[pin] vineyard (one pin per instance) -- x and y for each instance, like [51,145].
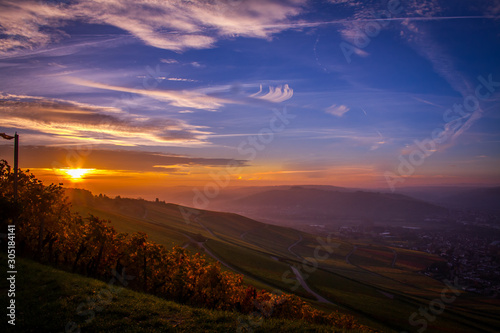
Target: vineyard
[49,232]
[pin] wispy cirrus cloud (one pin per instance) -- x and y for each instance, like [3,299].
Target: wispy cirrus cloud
[412,24]
[276,94]
[201,99]
[420,37]
[337,110]
[29,24]
[173,25]
[341,136]
[370,16]
[180,79]
[179,98]
[351,3]
[76,122]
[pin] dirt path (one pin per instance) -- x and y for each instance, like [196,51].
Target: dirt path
[307,288]
[297,242]
[210,253]
[301,279]
[207,229]
[244,233]
[395,257]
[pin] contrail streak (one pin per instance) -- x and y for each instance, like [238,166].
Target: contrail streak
[414,18]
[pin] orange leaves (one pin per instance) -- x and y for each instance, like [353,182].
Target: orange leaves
[93,247]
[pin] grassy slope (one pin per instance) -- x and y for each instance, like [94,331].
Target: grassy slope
[49,300]
[362,287]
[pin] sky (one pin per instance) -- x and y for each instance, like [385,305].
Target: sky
[134,96]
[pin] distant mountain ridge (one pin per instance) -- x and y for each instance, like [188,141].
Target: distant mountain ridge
[325,204]
[300,201]
[480,199]
[468,198]
[313,203]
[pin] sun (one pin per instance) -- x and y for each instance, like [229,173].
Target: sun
[77,174]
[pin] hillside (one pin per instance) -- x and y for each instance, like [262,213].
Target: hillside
[329,205]
[297,206]
[380,285]
[487,199]
[45,228]
[58,301]
[186,196]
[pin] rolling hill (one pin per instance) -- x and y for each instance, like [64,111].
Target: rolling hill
[456,197]
[73,303]
[331,205]
[486,199]
[380,285]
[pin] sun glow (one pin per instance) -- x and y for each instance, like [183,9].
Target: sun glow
[77,174]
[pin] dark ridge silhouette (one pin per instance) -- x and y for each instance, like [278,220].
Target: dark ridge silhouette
[312,202]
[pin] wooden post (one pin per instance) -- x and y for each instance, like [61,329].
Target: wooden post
[16,163]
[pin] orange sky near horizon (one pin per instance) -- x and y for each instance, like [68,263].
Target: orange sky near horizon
[151,185]
[281,91]
[148,175]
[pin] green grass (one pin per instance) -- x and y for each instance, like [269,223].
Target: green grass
[51,300]
[256,264]
[361,290]
[392,303]
[127,224]
[274,239]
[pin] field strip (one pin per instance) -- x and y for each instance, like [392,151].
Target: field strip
[234,269]
[297,242]
[349,255]
[306,287]
[395,257]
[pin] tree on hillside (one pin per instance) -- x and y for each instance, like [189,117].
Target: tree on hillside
[42,212]
[48,231]
[8,208]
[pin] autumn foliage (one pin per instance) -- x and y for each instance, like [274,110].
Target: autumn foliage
[49,232]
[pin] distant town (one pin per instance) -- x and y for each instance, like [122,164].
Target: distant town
[470,246]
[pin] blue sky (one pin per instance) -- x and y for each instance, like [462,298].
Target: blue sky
[191,83]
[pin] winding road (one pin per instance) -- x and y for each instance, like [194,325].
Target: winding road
[297,273]
[300,277]
[297,242]
[210,253]
[395,257]
[307,288]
